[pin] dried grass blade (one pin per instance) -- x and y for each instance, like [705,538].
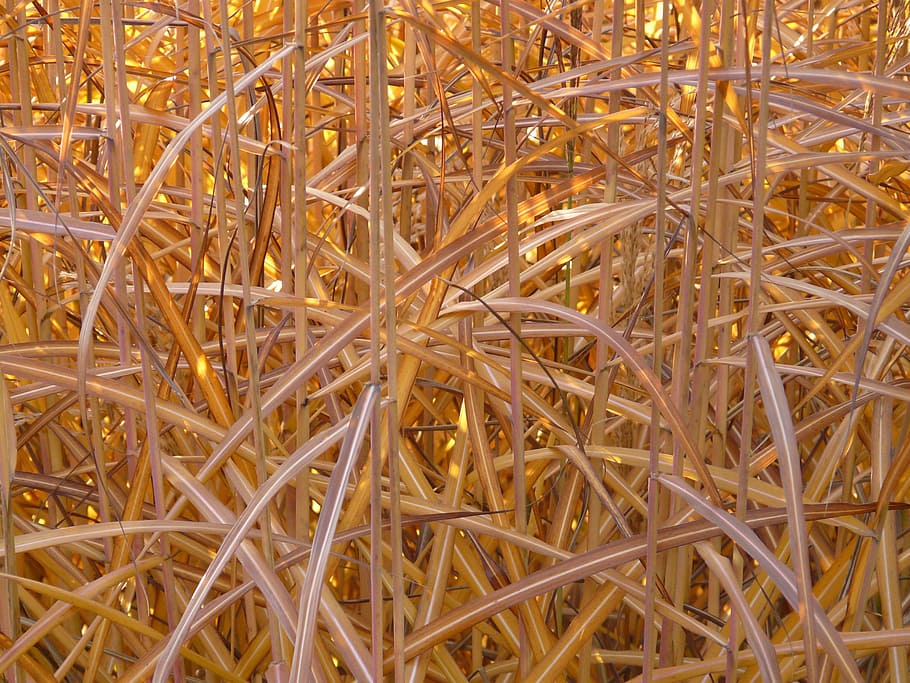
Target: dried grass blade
[783,578]
[630,356]
[778,411]
[325,532]
[876,312]
[761,646]
[613,555]
[58,611]
[9,607]
[136,212]
[887,563]
[112,615]
[72,91]
[233,542]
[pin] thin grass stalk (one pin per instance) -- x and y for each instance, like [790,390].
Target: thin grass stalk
[872,219]
[20,93]
[359,290]
[121,155]
[887,557]
[689,347]
[363,249]
[570,299]
[571,107]
[57,72]
[605,307]
[790,465]
[10,613]
[393,409]
[147,461]
[516,407]
[221,172]
[440,561]
[510,143]
[377,617]
[68,105]
[313,587]
[295,232]
[670,637]
[406,214]
[90,410]
[595,432]
[121,167]
[382,236]
[116,550]
[761,646]
[473,398]
[493,494]
[726,140]
[241,239]
[758,360]
[198,219]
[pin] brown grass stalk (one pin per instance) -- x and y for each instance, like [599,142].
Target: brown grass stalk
[618,290]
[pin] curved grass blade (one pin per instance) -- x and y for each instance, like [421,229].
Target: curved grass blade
[233,541]
[325,532]
[778,411]
[783,578]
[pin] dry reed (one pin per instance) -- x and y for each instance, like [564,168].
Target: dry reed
[566,343]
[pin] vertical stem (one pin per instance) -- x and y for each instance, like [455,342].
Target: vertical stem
[359,245]
[382,277]
[514,273]
[691,304]
[513,237]
[299,234]
[472,398]
[887,568]
[655,514]
[242,241]
[226,310]
[593,539]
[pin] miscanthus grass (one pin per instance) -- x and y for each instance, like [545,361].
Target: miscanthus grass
[454,341]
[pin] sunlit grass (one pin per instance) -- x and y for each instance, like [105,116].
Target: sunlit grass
[545,349]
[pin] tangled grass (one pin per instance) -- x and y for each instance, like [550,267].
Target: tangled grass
[566,343]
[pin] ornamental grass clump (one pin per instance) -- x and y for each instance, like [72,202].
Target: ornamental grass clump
[454,341]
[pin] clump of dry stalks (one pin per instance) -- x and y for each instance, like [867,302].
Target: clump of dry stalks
[566,343]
